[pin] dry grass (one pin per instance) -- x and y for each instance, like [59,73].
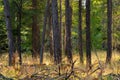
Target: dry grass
[49,71]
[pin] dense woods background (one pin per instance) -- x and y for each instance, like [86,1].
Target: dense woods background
[59,27]
[28,18]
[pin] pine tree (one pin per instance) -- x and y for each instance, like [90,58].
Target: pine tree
[88,39]
[68,20]
[56,33]
[9,31]
[80,32]
[109,31]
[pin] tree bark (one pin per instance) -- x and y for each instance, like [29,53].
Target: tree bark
[80,32]
[9,31]
[35,32]
[68,19]
[19,19]
[43,33]
[51,37]
[109,31]
[50,31]
[60,3]
[88,39]
[56,33]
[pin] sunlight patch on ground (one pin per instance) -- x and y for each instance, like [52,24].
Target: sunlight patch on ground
[31,66]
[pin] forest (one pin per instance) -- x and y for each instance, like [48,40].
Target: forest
[59,39]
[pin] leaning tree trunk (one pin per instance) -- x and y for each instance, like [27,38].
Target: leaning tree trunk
[56,33]
[109,31]
[35,32]
[43,33]
[68,19]
[80,32]
[9,31]
[88,39]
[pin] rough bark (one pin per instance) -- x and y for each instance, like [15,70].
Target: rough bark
[109,31]
[68,19]
[80,32]
[56,33]
[35,32]
[43,33]
[88,39]
[9,31]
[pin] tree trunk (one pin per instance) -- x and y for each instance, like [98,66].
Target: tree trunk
[68,19]
[60,3]
[35,32]
[19,19]
[50,31]
[43,33]
[51,37]
[88,39]
[56,33]
[80,32]
[109,31]
[64,38]
[9,31]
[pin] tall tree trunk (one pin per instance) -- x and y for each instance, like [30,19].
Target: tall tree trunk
[68,19]
[51,37]
[56,33]
[43,33]
[50,31]
[9,31]
[80,32]
[109,31]
[88,39]
[19,19]
[60,3]
[35,32]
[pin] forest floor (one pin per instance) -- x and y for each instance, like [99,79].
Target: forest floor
[32,70]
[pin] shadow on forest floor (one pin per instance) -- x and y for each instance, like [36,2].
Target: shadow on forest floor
[31,70]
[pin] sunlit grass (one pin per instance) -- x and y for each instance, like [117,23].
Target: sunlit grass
[30,66]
